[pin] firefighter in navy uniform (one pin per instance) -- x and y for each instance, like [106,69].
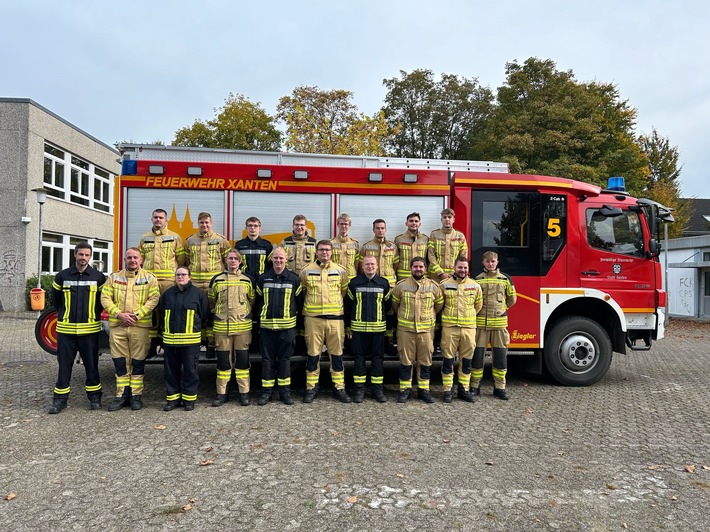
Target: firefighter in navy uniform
[279,299]
[129,296]
[76,294]
[231,298]
[366,307]
[184,313]
[492,322]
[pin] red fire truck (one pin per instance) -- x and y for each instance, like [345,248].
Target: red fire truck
[584,260]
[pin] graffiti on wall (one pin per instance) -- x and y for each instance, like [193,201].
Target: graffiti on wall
[10,267]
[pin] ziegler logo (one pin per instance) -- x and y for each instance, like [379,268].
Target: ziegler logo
[522,336]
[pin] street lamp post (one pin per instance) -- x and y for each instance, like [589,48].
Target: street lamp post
[41,198]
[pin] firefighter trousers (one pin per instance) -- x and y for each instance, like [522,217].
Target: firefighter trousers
[88,347]
[415,347]
[276,348]
[366,345]
[457,340]
[128,351]
[232,355]
[180,372]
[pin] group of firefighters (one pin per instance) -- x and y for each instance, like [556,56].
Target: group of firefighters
[320,293]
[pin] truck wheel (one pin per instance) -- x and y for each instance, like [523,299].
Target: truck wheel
[577,351]
[46,331]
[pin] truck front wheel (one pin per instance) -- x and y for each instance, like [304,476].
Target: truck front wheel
[577,351]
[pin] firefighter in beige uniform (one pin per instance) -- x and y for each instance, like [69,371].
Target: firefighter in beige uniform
[410,244]
[162,252]
[205,252]
[346,248]
[231,298]
[492,322]
[445,246]
[462,301]
[324,284]
[300,247]
[129,296]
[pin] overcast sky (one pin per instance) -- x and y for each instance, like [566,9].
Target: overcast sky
[140,70]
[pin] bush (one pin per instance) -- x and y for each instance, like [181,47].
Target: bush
[45,283]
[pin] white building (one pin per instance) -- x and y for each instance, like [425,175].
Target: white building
[688,274]
[41,149]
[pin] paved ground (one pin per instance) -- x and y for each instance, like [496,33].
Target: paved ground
[631,452]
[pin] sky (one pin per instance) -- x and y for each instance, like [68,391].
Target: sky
[140,70]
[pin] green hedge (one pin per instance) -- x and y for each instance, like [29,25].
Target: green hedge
[46,283]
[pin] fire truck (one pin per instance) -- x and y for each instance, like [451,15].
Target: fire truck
[584,260]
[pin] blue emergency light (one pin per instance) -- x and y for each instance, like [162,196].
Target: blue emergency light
[616,184]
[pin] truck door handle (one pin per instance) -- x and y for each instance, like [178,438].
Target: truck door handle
[591,272]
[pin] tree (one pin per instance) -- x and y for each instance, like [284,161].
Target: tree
[546,122]
[663,184]
[240,124]
[432,119]
[320,121]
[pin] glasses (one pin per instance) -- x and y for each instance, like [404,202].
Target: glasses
[324,249]
[253,225]
[182,275]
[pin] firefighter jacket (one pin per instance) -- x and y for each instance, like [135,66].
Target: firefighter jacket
[231,297]
[134,292]
[462,301]
[387,257]
[416,304]
[367,303]
[445,246]
[279,299]
[345,253]
[409,246]
[300,251]
[162,253]
[255,255]
[76,296]
[183,315]
[205,255]
[498,296]
[324,287]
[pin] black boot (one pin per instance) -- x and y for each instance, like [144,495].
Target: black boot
[448,396]
[220,399]
[341,395]
[244,399]
[285,395]
[119,402]
[378,394]
[58,404]
[404,395]
[359,394]
[311,394]
[425,396]
[265,397]
[136,402]
[464,395]
[500,393]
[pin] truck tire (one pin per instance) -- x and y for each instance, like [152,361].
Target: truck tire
[46,331]
[577,351]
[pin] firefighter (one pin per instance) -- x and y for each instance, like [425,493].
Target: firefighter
[231,297]
[385,251]
[300,246]
[492,322]
[279,299]
[255,251]
[129,296]
[184,313]
[410,244]
[367,304]
[162,252]
[205,252]
[75,292]
[416,300]
[325,284]
[462,301]
[445,246]
[346,248]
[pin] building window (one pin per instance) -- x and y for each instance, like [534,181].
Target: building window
[71,178]
[58,252]
[706,256]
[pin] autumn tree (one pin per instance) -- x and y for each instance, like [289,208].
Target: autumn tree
[664,179]
[239,124]
[430,118]
[546,122]
[322,121]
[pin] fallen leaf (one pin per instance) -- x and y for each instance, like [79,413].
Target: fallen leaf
[209,449]
[624,525]
[25,420]
[706,468]
[400,475]
[565,430]
[10,496]
[324,485]
[653,467]
[610,487]
[489,462]
[335,434]
[160,427]
[690,468]
[192,500]
[187,507]
[674,498]
[206,462]
[447,441]
[352,500]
